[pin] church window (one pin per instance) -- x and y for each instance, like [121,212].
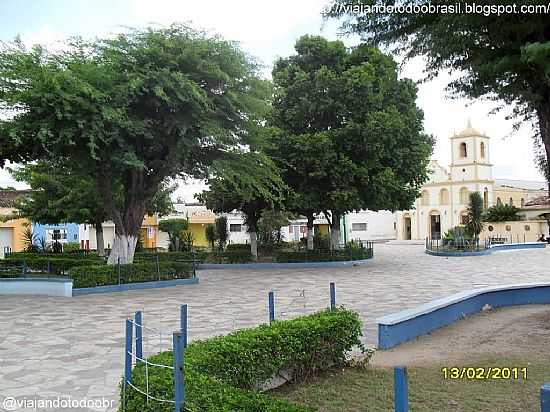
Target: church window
[463,150]
[491,228]
[508,228]
[464,195]
[499,202]
[527,228]
[522,202]
[482,147]
[444,197]
[511,203]
[485,198]
[425,200]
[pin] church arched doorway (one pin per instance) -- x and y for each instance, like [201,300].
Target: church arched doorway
[434,224]
[407,231]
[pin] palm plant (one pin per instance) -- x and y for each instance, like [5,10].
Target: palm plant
[29,239]
[475,215]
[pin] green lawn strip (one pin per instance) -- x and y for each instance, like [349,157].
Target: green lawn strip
[371,389]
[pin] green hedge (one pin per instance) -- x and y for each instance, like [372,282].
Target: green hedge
[222,373]
[230,256]
[53,264]
[238,246]
[300,256]
[104,275]
[167,256]
[75,254]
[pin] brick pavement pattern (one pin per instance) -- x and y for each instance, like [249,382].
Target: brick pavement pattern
[53,347]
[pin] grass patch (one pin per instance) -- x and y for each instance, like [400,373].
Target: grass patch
[371,389]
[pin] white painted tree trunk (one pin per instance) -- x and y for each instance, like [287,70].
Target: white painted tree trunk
[123,249]
[254,245]
[99,240]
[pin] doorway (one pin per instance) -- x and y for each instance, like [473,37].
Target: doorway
[407,233]
[435,226]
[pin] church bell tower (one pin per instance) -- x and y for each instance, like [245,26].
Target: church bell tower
[470,156]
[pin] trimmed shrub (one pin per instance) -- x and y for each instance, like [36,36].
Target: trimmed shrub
[225,372]
[238,246]
[104,275]
[170,256]
[53,264]
[304,255]
[230,256]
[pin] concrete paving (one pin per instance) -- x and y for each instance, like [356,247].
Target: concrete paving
[61,347]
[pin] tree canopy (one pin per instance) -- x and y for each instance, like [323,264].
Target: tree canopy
[347,132]
[251,184]
[131,110]
[505,57]
[61,195]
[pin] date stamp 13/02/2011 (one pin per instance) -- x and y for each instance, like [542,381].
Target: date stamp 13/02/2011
[484,373]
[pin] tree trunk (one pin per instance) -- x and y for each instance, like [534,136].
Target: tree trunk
[254,244]
[127,232]
[124,248]
[543,114]
[100,243]
[335,231]
[310,232]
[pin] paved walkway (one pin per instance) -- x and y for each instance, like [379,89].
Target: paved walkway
[74,346]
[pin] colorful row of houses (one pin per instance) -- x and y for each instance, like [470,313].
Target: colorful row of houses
[358,226]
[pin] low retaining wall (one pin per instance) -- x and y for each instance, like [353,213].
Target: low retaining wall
[281,265]
[493,248]
[64,286]
[36,286]
[408,324]
[134,286]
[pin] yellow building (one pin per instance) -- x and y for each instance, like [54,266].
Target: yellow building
[11,231]
[149,232]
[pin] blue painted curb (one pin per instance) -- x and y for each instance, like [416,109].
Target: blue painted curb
[459,254]
[492,249]
[409,324]
[275,265]
[134,286]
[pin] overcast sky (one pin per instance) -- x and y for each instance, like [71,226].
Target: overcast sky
[266,30]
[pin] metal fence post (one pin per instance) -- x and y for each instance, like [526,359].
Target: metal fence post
[332,296]
[128,354]
[118,264]
[401,389]
[138,320]
[158,267]
[545,397]
[271,306]
[179,383]
[183,324]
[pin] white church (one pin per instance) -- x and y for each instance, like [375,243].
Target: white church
[444,198]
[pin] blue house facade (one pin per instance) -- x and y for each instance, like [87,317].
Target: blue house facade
[63,232]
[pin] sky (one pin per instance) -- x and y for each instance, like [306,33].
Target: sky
[267,30]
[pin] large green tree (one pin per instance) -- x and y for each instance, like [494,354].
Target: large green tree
[59,194]
[249,183]
[505,57]
[347,132]
[131,110]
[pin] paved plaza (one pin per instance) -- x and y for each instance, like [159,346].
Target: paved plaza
[74,346]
